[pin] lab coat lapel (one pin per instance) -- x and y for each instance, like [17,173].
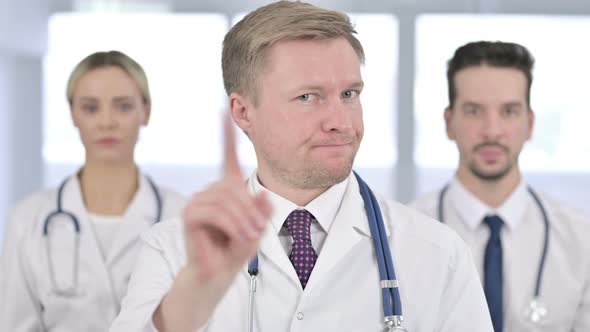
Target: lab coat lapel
[343,234]
[139,216]
[272,250]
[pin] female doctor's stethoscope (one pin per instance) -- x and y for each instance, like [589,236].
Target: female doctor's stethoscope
[392,306]
[71,291]
[536,311]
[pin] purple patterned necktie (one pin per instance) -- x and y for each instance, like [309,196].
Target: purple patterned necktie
[302,255]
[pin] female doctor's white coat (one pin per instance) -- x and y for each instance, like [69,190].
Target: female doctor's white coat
[28,301]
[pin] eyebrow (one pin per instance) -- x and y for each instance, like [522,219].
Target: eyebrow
[509,103]
[357,85]
[122,99]
[513,104]
[470,104]
[354,85]
[88,99]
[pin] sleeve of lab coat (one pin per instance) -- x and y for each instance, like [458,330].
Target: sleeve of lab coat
[582,318]
[173,204]
[151,279]
[463,306]
[582,321]
[20,309]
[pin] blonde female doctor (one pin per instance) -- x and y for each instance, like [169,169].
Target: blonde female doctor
[68,252]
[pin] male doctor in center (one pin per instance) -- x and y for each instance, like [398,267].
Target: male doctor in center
[292,72]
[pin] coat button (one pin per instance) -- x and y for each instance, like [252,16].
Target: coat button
[300,315]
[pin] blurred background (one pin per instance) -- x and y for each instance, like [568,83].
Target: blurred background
[178,42]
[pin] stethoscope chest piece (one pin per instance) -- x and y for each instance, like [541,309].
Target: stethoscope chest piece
[394,324]
[536,311]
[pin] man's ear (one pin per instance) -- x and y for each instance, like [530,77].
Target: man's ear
[448,115]
[240,108]
[531,123]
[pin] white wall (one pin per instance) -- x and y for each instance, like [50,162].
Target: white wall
[5,139]
[20,116]
[23,36]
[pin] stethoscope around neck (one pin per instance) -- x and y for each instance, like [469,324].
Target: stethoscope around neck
[60,212]
[392,306]
[535,311]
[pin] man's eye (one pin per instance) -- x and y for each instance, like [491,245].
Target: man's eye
[349,94]
[511,111]
[305,97]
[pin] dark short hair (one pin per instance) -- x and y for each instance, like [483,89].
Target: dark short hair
[495,54]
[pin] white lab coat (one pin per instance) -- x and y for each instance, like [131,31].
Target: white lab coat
[565,287]
[27,299]
[439,287]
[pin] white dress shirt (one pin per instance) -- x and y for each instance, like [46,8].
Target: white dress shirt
[439,287]
[323,208]
[105,230]
[565,284]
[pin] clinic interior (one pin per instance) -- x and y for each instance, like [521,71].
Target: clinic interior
[407,42]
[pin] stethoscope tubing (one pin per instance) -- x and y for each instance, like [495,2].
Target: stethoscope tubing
[76,223]
[392,307]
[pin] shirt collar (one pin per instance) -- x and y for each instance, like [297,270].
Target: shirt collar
[323,208]
[472,210]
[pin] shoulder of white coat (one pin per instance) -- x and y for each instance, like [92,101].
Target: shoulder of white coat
[421,229]
[563,215]
[173,203]
[427,203]
[564,212]
[573,223]
[27,212]
[166,235]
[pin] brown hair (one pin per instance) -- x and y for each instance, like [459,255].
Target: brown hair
[245,46]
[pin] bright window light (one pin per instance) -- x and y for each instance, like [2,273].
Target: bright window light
[561,140]
[379,35]
[181,55]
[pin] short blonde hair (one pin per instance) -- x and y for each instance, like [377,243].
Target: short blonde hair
[107,59]
[245,46]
